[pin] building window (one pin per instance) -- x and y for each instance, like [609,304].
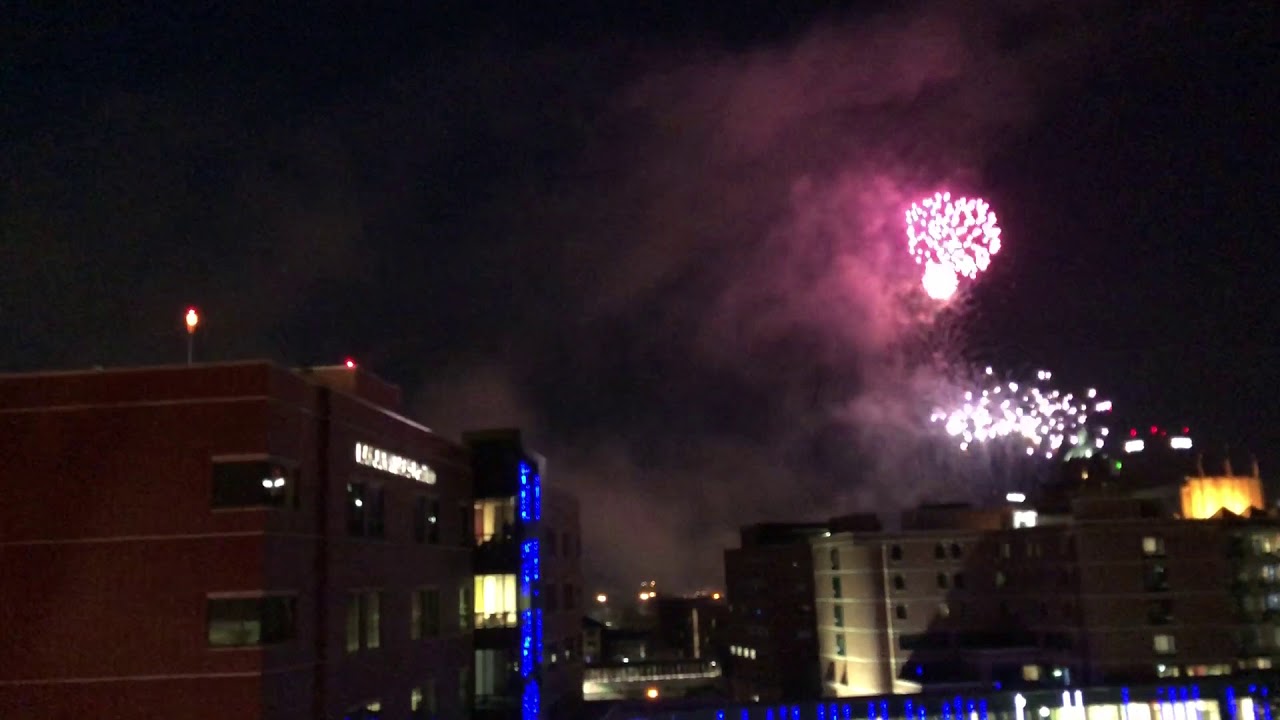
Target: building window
[1005,550]
[495,597]
[246,621]
[1160,612]
[1163,644]
[465,617]
[1031,673]
[422,701]
[371,710]
[1153,546]
[493,673]
[364,620]
[835,559]
[1156,577]
[939,552]
[899,583]
[944,610]
[364,510]
[424,615]
[494,520]
[942,581]
[900,612]
[957,581]
[840,646]
[1001,579]
[253,483]
[839,615]
[955,551]
[426,520]
[835,587]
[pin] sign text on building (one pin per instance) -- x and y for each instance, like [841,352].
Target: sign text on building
[388,462]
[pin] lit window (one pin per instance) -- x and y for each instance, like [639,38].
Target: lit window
[422,701]
[240,622]
[494,520]
[839,616]
[495,598]
[840,646]
[1153,546]
[944,610]
[253,483]
[1000,578]
[751,653]
[1031,673]
[1163,645]
[424,613]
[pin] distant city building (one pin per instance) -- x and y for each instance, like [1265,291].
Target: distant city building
[690,628]
[770,635]
[233,540]
[1113,593]
[528,588]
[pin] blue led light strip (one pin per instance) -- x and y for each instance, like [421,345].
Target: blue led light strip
[529,502]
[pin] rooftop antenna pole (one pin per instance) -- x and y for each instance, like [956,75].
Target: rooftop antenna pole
[193,319]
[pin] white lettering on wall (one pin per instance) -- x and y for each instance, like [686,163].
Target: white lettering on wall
[388,462]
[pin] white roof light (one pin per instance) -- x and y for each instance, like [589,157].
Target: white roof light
[1133,446]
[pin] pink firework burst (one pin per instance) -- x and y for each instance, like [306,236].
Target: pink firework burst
[952,239]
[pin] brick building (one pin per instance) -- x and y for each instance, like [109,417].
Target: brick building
[234,540]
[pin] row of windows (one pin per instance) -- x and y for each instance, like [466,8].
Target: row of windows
[270,619]
[364,616]
[743,652]
[423,703]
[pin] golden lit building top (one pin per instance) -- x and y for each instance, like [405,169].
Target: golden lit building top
[1205,495]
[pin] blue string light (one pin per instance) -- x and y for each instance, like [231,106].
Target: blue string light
[529,501]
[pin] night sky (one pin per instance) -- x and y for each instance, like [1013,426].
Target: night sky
[668,241]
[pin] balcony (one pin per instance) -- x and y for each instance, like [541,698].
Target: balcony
[495,620]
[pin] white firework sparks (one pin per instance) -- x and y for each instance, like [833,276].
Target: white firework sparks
[1037,416]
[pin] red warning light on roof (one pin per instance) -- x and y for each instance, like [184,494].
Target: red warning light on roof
[1154,429]
[1133,432]
[351,364]
[1185,429]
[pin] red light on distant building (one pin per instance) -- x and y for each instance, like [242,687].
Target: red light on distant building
[1133,432]
[1185,429]
[351,364]
[1154,429]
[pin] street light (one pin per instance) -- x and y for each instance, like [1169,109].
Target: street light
[193,319]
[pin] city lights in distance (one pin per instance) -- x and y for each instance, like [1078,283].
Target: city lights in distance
[351,364]
[644,596]
[1104,406]
[602,598]
[651,693]
[1133,446]
[1016,497]
[715,596]
[1180,443]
